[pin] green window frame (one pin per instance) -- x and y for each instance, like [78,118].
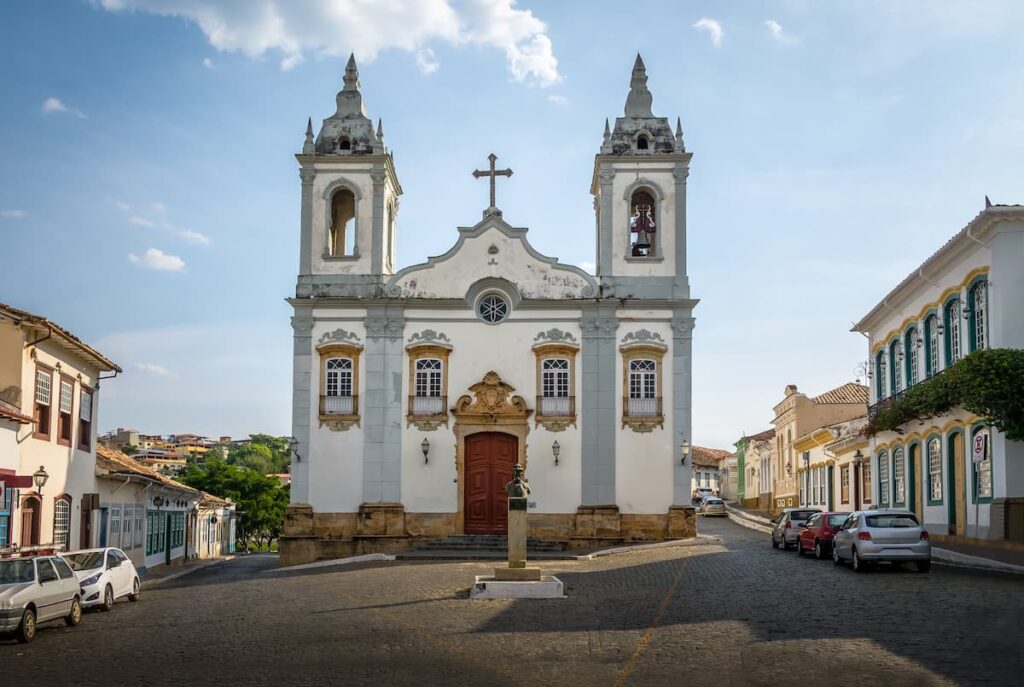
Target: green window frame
[913,357]
[895,379]
[933,468]
[931,345]
[954,341]
[899,477]
[982,476]
[880,375]
[883,479]
[977,303]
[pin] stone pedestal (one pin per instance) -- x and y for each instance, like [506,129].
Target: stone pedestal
[682,522]
[547,587]
[516,532]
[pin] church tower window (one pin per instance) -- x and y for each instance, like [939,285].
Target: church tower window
[342,238]
[344,144]
[642,224]
[641,143]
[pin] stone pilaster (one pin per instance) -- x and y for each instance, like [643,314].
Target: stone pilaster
[682,389]
[306,174]
[302,369]
[382,405]
[682,282]
[598,404]
[606,230]
[377,232]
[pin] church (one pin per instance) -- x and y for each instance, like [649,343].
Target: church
[416,391]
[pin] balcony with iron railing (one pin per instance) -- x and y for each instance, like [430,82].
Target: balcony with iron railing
[556,406]
[879,406]
[641,407]
[429,406]
[339,405]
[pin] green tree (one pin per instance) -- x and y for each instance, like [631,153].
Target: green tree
[129,450]
[264,453]
[260,500]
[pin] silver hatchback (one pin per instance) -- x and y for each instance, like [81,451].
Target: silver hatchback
[35,590]
[786,527]
[874,536]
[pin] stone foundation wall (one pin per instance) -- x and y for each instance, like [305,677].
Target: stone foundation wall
[383,527]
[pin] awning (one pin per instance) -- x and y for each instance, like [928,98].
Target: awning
[16,481]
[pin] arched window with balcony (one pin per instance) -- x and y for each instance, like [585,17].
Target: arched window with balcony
[895,356]
[952,329]
[880,375]
[978,295]
[912,353]
[931,345]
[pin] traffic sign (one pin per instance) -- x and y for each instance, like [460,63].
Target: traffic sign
[980,443]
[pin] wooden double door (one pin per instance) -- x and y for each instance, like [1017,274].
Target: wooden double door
[490,459]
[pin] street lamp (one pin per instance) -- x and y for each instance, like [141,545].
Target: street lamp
[556,449]
[684,450]
[39,478]
[425,447]
[159,501]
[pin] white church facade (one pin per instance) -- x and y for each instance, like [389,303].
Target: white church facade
[416,391]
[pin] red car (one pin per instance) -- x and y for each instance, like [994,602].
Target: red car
[816,534]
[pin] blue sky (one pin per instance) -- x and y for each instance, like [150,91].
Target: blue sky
[149,200]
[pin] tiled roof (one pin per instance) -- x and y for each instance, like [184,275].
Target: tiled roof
[707,457]
[762,436]
[112,461]
[11,412]
[850,392]
[63,336]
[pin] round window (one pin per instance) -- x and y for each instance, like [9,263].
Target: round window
[492,308]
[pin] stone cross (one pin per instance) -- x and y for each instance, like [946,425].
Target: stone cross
[493,174]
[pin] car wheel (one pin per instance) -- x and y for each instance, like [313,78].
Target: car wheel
[108,598]
[799,548]
[818,553]
[136,591]
[835,555]
[775,544]
[924,566]
[26,631]
[858,565]
[75,616]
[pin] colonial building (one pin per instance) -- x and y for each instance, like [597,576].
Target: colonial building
[707,468]
[795,416]
[417,390]
[826,473]
[49,398]
[754,470]
[960,476]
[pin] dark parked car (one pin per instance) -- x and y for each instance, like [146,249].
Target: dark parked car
[816,534]
[786,526]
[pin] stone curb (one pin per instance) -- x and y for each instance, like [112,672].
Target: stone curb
[336,561]
[154,581]
[962,560]
[752,522]
[699,540]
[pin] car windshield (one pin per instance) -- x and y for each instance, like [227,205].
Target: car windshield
[13,572]
[837,520]
[892,520]
[87,560]
[801,514]
[712,502]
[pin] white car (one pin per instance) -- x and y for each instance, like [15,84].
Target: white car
[105,575]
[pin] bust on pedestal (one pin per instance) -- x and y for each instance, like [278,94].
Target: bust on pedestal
[517,581]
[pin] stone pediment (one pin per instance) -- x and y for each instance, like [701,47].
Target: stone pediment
[492,398]
[492,249]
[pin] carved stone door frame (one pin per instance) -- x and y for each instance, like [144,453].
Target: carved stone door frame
[492,408]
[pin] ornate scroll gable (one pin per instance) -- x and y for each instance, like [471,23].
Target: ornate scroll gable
[555,335]
[492,402]
[429,336]
[339,336]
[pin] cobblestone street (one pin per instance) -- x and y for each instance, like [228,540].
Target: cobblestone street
[735,613]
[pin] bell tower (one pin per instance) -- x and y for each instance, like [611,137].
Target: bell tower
[349,198]
[639,189]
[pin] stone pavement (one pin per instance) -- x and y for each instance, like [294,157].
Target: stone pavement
[733,613]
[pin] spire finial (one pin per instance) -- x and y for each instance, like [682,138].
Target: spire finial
[607,130]
[307,147]
[639,100]
[380,129]
[351,77]
[679,134]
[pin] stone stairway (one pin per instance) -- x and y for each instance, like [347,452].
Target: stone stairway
[481,547]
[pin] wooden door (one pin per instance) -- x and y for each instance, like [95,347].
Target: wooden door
[30,522]
[490,457]
[916,487]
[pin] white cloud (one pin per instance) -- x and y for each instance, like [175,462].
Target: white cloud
[588,266]
[123,206]
[558,99]
[335,27]
[14,214]
[152,368]
[777,33]
[713,28]
[156,259]
[208,63]
[425,61]
[159,207]
[51,105]
[142,221]
[195,237]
